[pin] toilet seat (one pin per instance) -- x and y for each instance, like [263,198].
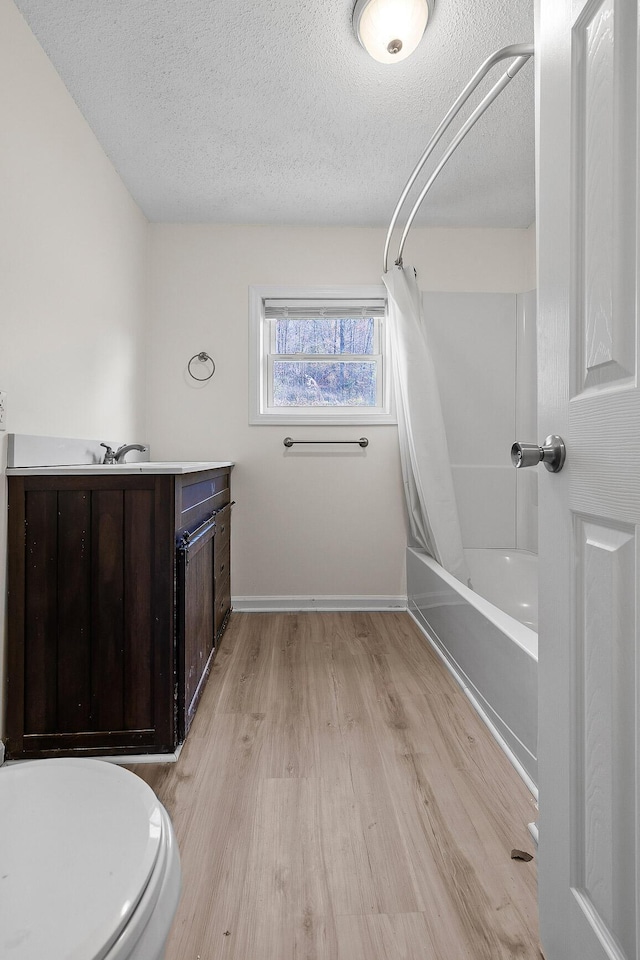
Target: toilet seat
[145,935]
[85,848]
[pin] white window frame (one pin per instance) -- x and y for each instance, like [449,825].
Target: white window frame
[261,359]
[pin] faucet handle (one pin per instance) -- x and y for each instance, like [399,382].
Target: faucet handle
[109,456]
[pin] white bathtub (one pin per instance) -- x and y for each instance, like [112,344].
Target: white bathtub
[509,580]
[493,654]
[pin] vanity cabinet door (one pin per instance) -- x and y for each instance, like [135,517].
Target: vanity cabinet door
[90,616]
[222,563]
[195,561]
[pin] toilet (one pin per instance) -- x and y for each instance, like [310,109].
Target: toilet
[89,865]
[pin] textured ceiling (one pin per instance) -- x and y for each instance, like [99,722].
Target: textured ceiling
[269,111]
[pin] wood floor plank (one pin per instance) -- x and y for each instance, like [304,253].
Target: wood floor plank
[447,820]
[246,683]
[284,851]
[396,937]
[396,887]
[476,762]
[352,879]
[338,798]
[211,806]
[468,873]
[302,727]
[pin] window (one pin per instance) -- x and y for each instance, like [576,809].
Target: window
[319,356]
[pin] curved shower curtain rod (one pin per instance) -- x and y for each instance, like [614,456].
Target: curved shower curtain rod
[522,52]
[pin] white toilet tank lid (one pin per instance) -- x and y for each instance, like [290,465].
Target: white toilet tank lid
[79,839]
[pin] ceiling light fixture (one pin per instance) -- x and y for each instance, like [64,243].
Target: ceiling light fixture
[390,30]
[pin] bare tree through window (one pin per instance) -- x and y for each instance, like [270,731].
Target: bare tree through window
[348,381]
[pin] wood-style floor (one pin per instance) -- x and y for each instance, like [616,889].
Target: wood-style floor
[338,799]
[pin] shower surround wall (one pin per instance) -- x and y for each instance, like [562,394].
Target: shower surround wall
[527,420]
[484,349]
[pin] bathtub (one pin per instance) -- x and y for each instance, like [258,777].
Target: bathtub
[493,652]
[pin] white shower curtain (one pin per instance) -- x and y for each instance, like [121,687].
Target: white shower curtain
[426,470]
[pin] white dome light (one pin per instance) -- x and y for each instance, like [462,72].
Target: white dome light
[390,30]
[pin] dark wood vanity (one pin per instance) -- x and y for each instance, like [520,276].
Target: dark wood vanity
[119,593]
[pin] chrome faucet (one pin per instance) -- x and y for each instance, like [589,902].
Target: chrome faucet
[122,451]
[117,456]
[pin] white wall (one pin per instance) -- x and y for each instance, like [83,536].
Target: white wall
[73,267]
[317,523]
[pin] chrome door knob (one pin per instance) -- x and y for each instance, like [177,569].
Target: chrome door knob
[552,454]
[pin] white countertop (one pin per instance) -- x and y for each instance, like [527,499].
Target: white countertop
[104,469]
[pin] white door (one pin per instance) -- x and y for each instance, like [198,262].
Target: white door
[589,862]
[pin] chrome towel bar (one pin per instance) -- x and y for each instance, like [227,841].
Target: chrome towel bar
[363,442]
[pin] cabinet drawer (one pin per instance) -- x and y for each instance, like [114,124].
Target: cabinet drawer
[221,566]
[197,499]
[223,523]
[222,546]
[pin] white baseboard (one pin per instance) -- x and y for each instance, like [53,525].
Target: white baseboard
[324,604]
[125,759]
[502,743]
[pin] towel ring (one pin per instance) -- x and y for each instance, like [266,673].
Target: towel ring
[203,358]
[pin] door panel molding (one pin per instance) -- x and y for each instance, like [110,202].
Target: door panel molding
[603,861]
[604,153]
